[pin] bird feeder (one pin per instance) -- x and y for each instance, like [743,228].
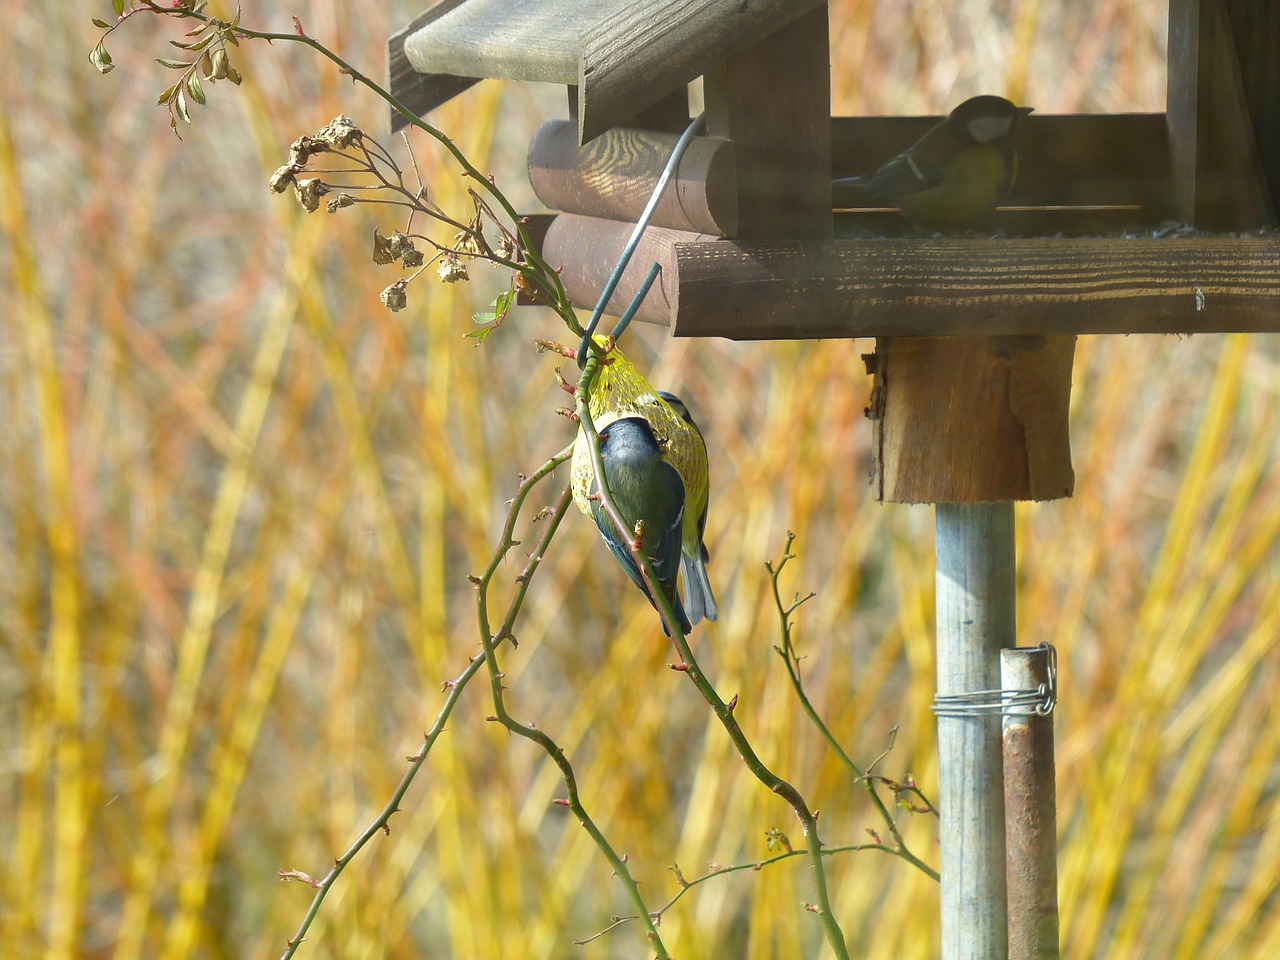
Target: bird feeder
[974,335]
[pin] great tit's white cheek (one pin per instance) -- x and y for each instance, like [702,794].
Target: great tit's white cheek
[987,129]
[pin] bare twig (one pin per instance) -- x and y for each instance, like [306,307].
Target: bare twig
[453,689]
[791,658]
[688,664]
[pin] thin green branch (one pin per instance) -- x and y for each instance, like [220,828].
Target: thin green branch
[573,800]
[717,872]
[454,687]
[381,822]
[868,780]
[537,272]
[689,665]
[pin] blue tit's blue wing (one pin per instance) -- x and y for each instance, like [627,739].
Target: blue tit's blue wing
[620,551]
[660,502]
[662,541]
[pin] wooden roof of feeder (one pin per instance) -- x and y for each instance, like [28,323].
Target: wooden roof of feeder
[621,55]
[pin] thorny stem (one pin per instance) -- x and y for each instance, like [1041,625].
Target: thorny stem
[808,820]
[688,664]
[756,866]
[537,270]
[454,687]
[792,660]
[553,749]
[381,821]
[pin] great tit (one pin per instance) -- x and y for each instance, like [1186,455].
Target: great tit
[951,178]
[648,490]
[699,601]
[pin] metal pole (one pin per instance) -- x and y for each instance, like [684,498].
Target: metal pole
[1030,807]
[975,619]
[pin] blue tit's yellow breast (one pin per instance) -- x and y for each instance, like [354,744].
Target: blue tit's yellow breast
[977,179]
[621,390]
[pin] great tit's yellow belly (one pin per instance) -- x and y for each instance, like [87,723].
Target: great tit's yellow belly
[978,178]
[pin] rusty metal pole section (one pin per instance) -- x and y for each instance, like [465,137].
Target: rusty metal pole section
[975,619]
[1029,678]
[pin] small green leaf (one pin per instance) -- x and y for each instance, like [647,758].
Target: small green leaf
[181,101]
[172,64]
[484,316]
[502,303]
[118,7]
[481,335]
[196,91]
[167,94]
[101,24]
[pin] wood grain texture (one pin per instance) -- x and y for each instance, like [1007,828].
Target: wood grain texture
[1029,222]
[1217,174]
[614,175]
[773,100]
[586,248]
[640,52]
[953,287]
[420,92]
[1085,159]
[972,419]
[507,39]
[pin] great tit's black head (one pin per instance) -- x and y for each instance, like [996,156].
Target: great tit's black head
[676,404]
[986,119]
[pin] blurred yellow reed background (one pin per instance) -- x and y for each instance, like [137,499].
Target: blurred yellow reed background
[238,503]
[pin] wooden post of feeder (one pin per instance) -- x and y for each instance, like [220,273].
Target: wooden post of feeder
[972,424]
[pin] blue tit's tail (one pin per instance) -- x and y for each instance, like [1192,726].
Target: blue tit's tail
[699,601]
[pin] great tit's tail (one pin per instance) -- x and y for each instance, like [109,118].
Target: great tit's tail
[699,601]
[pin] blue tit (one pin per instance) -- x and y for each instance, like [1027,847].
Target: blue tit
[951,178]
[699,602]
[621,391]
[645,489]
